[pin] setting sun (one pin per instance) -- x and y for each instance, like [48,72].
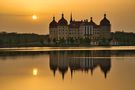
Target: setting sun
[35,72]
[34,17]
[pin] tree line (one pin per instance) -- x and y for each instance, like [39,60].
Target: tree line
[25,39]
[35,40]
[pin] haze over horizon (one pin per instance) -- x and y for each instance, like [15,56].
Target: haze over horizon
[16,15]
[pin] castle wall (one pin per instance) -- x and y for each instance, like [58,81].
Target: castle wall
[105,32]
[63,32]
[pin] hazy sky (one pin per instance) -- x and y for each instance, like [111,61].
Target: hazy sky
[16,15]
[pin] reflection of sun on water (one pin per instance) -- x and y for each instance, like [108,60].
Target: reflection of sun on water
[34,17]
[35,72]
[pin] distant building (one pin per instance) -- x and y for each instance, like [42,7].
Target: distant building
[77,30]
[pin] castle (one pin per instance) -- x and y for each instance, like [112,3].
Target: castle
[77,31]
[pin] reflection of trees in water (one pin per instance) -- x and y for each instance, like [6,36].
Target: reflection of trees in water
[21,53]
[13,53]
[4,55]
[80,61]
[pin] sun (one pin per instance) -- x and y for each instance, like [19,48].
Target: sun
[35,71]
[34,17]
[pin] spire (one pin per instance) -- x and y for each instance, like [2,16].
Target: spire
[62,15]
[71,18]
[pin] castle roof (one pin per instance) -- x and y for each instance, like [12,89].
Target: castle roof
[53,24]
[105,21]
[62,21]
[75,24]
[91,23]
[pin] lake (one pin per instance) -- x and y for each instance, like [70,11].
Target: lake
[53,68]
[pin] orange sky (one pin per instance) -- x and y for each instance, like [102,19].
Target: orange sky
[15,15]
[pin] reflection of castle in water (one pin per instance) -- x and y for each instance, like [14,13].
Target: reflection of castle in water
[80,61]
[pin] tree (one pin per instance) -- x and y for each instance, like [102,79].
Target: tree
[104,42]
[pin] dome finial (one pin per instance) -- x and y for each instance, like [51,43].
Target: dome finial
[105,74]
[91,18]
[53,17]
[105,15]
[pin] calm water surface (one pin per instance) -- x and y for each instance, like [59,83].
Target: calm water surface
[67,69]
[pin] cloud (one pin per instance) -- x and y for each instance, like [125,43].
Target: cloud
[19,15]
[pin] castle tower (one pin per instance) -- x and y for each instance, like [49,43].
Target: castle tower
[53,30]
[105,27]
[62,29]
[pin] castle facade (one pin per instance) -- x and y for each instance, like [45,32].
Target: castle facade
[77,31]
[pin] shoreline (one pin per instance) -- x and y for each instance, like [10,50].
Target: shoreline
[51,45]
[94,48]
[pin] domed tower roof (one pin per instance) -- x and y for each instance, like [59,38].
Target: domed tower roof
[63,70]
[53,68]
[105,66]
[62,21]
[53,24]
[92,23]
[105,21]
